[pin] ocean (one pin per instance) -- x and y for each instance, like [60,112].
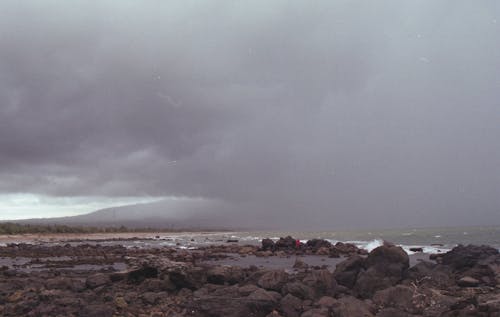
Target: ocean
[432,240]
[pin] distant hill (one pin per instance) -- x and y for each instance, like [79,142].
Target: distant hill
[161,214]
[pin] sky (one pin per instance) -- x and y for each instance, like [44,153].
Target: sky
[325,113]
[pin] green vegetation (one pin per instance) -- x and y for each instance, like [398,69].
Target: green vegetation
[15,228]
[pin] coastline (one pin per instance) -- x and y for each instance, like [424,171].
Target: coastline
[149,274]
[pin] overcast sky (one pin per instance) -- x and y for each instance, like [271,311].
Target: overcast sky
[344,113]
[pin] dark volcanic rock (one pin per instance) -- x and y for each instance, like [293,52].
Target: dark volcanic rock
[388,255]
[273,280]
[481,263]
[463,257]
[291,305]
[316,244]
[316,312]
[468,281]
[192,278]
[225,274]
[267,245]
[299,264]
[247,289]
[400,297]
[262,302]
[177,283]
[350,306]
[97,310]
[394,312]
[214,306]
[97,280]
[300,290]
[139,275]
[385,266]
[349,249]
[431,274]
[347,271]
[287,243]
[321,280]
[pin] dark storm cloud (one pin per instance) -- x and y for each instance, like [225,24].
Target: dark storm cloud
[348,112]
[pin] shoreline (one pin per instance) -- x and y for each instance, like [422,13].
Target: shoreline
[63,237]
[274,279]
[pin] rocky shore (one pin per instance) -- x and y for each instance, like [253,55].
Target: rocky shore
[103,280]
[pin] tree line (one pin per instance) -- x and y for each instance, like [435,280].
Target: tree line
[16,228]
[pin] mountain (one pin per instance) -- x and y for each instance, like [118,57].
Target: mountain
[193,214]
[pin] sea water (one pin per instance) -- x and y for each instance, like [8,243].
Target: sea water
[432,240]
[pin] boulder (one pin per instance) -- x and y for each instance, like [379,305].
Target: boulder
[348,249]
[273,280]
[247,250]
[347,271]
[192,278]
[291,305]
[316,244]
[394,312]
[388,255]
[316,312]
[400,297]
[385,267]
[486,271]
[266,254]
[468,281]
[65,283]
[323,251]
[299,290]
[349,306]
[327,301]
[152,297]
[93,310]
[247,289]
[430,274]
[321,281]
[225,274]
[464,257]
[491,305]
[417,249]
[120,302]
[299,264]
[97,280]
[287,243]
[221,306]
[139,275]
[267,244]
[262,302]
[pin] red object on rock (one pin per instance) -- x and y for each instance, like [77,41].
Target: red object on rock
[297,244]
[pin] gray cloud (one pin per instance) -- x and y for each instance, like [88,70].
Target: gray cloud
[332,113]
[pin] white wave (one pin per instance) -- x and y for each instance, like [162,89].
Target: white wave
[249,238]
[367,245]
[187,248]
[332,241]
[373,244]
[425,249]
